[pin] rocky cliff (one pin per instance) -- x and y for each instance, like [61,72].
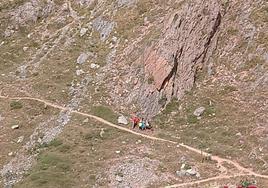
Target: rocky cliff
[193,37]
[188,37]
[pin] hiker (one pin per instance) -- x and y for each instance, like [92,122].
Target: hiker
[135,121]
[142,125]
[148,125]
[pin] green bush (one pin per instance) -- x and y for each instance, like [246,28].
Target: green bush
[16,105]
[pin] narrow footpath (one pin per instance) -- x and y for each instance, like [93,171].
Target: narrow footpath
[224,175]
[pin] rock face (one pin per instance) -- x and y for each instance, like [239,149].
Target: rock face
[169,66]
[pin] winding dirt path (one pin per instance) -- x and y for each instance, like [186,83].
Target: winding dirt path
[241,170]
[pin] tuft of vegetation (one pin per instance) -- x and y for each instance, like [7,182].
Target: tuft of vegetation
[15,105]
[151,80]
[51,171]
[192,119]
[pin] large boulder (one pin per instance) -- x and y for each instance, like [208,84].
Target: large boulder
[122,120]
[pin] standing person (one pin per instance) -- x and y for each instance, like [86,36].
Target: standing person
[142,125]
[148,125]
[135,121]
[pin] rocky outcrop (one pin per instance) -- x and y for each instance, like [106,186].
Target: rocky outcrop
[31,11]
[168,67]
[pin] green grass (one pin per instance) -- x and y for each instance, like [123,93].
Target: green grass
[192,119]
[55,143]
[52,170]
[51,160]
[92,136]
[172,106]
[16,105]
[105,112]
[49,179]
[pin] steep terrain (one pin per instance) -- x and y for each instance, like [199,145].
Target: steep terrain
[64,61]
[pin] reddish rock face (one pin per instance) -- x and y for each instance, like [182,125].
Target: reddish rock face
[166,69]
[170,65]
[157,68]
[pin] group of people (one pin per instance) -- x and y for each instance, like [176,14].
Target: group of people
[142,123]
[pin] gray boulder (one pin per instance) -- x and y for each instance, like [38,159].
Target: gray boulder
[82,58]
[122,120]
[199,111]
[104,27]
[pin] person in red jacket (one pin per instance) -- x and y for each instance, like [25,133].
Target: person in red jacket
[135,120]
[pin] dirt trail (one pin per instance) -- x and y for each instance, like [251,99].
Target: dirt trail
[206,180]
[242,171]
